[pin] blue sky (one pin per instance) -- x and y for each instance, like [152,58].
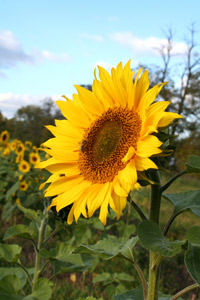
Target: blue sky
[48,46]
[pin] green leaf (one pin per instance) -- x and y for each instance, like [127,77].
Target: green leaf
[193,235]
[19,273]
[42,289]
[10,284]
[185,201]
[136,294]
[82,263]
[31,214]
[102,277]
[153,239]
[125,277]
[8,209]
[14,188]
[10,253]
[19,230]
[193,166]
[192,262]
[110,247]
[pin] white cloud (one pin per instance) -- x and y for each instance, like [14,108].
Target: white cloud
[92,37]
[12,53]
[150,44]
[10,103]
[47,55]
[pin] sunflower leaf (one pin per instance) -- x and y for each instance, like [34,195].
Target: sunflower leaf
[137,294]
[193,166]
[14,188]
[9,288]
[10,253]
[185,201]
[19,230]
[153,239]
[42,289]
[31,214]
[110,247]
[65,261]
[192,262]
[193,235]
[19,273]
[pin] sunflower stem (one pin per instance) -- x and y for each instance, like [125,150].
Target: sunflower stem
[166,185]
[41,235]
[137,208]
[185,290]
[154,216]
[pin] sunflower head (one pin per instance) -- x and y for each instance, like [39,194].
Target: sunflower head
[4,136]
[34,158]
[105,141]
[24,166]
[20,148]
[23,185]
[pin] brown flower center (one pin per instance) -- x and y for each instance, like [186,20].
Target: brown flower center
[106,143]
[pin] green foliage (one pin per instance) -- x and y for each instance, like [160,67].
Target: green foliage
[10,253]
[42,289]
[153,239]
[185,201]
[192,262]
[110,247]
[19,230]
[193,166]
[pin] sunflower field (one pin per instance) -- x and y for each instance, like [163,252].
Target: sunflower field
[76,220]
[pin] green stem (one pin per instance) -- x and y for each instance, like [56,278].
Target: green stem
[185,290]
[153,285]
[169,223]
[137,208]
[141,275]
[38,258]
[154,216]
[26,271]
[166,185]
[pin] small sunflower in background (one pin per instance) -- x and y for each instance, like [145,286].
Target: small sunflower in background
[13,145]
[19,148]
[28,143]
[6,151]
[4,137]
[23,185]
[106,138]
[24,166]
[34,158]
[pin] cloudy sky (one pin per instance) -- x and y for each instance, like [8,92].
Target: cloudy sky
[46,47]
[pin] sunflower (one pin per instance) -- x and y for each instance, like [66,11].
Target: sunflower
[34,158]
[23,185]
[104,141]
[6,151]
[24,166]
[28,143]
[4,136]
[13,145]
[20,148]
